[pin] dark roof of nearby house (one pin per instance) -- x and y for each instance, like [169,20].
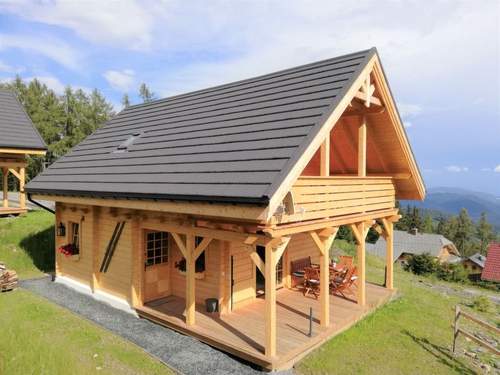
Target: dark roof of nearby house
[409,243]
[16,129]
[477,259]
[491,270]
[228,143]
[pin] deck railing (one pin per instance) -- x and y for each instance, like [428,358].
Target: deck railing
[322,197]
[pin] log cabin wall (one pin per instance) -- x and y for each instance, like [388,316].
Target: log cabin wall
[244,288]
[207,284]
[77,268]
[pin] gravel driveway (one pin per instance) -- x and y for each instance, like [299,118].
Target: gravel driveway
[182,353]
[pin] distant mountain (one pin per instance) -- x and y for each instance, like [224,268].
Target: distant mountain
[451,200]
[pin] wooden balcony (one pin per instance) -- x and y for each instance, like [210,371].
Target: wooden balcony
[323,197]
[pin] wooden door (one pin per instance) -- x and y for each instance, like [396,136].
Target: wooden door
[156,265]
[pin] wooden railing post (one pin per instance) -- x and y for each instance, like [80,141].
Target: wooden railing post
[22,194]
[389,261]
[5,188]
[455,327]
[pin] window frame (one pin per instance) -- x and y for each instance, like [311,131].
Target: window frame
[72,236]
[164,248]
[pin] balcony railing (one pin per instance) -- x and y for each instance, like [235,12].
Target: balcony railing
[322,197]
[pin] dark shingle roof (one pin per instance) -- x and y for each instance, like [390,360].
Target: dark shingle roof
[409,243]
[16,128]
[234,142]
[478,259]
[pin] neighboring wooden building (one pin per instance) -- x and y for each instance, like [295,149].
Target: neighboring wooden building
[18,139]
[491,271]
[411,243]
[474,264]
[200,195]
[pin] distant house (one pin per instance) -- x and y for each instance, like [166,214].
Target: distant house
[413,243]
[474,264]
[18,139]
[491,271]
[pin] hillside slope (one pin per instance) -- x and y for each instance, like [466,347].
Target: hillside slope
[451,200]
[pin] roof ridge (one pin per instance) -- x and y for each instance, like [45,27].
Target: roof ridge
[245,80]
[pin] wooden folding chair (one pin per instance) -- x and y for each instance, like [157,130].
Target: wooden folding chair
[343,285]
[311,281]
[345,260]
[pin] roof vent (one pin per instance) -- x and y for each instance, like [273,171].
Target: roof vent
[129,142]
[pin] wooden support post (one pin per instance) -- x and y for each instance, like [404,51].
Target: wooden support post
[22,194]
[389,254]
[360,231]
[5,174]
[362,147]
[96,210]
[270,326]
[137,263]
[325,157]
[190,280]
[324,243]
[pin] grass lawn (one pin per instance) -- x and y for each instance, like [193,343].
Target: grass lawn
[38,337]
[411,335]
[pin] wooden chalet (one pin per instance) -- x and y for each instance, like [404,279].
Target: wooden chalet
[215,193]
[18,139]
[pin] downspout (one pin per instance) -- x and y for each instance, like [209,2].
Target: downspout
[40,205]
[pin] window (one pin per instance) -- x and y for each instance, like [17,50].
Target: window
[156,248]
[200,262]
[75,236]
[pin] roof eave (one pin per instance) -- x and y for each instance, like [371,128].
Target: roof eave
[259,201]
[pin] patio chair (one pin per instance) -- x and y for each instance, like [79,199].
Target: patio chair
[345,260]
[297,270]
[311,281]
[342,285]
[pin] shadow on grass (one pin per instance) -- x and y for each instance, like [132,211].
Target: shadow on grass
[442,354]
[40,248]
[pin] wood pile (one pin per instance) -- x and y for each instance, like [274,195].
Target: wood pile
[8,278]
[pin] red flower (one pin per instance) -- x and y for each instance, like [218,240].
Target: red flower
[68,249]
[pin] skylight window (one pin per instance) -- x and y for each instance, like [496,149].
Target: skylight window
[123,147]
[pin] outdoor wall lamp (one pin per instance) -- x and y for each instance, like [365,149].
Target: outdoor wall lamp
[61,230]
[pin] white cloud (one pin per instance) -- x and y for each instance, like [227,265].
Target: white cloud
[55,49]
[127,23]
[497,168]
[6,68]
[51,82]
[456,168]
[409,110]
[120,80]
[407,124]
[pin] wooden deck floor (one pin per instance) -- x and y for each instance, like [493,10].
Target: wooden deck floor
[241,333]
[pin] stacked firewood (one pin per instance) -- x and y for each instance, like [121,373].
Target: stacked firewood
[8,278]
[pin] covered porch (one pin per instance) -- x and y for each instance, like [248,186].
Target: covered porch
[15,165]
[242,332]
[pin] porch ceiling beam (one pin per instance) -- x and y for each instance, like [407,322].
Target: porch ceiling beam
[12,164]
[292,228]
[216,234]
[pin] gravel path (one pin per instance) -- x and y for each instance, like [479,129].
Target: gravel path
[182,353]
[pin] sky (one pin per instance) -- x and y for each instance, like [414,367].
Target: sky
[442,59]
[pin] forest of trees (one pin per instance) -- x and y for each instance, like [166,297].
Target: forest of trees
[468,237]
[64,120]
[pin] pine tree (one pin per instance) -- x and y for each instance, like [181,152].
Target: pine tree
[428,225]
[146,94]
[484,232]
[464,232]
[125,101]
